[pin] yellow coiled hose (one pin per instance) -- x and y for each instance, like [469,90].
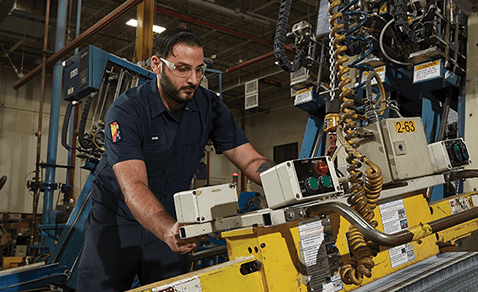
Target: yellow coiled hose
[364,195]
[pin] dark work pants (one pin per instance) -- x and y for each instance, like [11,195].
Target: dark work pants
[117,249]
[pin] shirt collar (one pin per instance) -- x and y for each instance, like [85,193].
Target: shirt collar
[157,106]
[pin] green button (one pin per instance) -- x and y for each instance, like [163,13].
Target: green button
[313,183]
[326,181]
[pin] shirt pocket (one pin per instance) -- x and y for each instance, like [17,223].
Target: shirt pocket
[155,143]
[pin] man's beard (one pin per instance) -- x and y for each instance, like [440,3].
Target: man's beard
[173,92]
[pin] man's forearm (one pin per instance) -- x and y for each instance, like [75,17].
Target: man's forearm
[249,161]
[256,168]
[148,210]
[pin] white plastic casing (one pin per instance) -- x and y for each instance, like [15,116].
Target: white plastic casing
[282,188]
[439,157]
[205,204]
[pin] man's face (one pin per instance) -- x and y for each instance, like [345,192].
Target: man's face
[181,89]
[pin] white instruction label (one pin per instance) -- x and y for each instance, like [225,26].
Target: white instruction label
[314,254]
[458,205]
[303,96]
[192,284]
[401,254]
[74,72]
[426,71]
[394,219]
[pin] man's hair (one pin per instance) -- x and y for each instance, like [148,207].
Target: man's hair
[164,42]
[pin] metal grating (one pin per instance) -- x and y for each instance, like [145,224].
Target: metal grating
[446,272]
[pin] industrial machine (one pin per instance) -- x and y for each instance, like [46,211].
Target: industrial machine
[375,202]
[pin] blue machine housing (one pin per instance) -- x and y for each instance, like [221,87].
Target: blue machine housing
[83,73]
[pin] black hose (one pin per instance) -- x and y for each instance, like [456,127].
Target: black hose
[279,41]
[402,27]
[81,129]
[66,123]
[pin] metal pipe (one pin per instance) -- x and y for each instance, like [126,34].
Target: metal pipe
[414,233]
[70,173]
[105,21]
[40,114]
[78,23]
[50,185]
[254,61]
[444,116]
[250,62]
[213,26]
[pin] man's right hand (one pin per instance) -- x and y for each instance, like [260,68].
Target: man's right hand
[181,246]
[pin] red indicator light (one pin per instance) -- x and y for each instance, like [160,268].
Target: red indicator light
[321,167]
[235,176]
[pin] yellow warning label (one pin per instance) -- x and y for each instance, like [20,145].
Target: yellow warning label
[303,90]
[383,9]
[427,65]
[378,70]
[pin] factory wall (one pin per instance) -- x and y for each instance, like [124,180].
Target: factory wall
[277,123]
[19,112]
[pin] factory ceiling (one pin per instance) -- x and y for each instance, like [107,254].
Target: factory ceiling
[234,32]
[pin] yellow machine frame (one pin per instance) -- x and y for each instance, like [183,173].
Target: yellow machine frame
[278,250]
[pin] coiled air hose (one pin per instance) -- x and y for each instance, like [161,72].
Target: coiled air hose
[364,196]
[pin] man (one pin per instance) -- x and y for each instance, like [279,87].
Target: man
[155,139]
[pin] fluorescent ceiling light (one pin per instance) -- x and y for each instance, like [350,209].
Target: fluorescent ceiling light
[156,28]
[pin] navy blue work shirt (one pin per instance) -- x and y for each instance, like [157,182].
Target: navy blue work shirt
[139,126]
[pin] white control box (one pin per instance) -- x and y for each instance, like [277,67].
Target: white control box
[205,204]
[448,154]
[406,147]
[300,180]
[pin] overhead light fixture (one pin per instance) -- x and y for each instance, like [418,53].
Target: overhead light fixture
[156,28]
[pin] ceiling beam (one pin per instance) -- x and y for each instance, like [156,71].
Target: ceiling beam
[203,23]
[13,48]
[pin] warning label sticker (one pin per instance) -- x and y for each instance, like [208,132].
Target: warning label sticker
[426,71]
[394,219]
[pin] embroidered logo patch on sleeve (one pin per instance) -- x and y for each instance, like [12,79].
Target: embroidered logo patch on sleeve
[115,132]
